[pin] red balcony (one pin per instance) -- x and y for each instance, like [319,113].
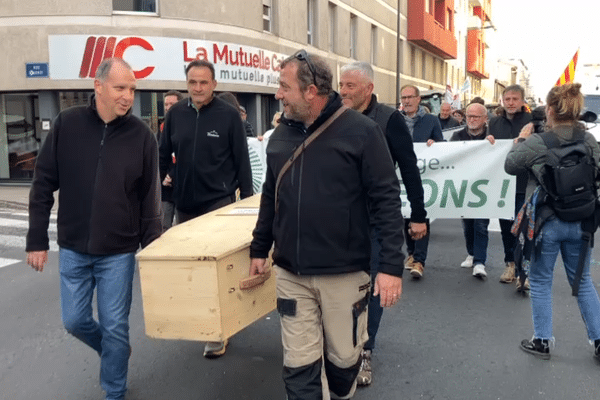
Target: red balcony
[431,26]
[476,54]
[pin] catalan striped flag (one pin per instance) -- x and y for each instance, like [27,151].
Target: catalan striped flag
[569,74]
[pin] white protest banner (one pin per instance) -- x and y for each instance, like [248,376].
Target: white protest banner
[460,179]
[465,180]
[257,150]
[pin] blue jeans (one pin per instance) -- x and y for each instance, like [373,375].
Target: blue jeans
[565,237]
[476,238]
[112,276]
[416,248]
[375,309]
[508,239]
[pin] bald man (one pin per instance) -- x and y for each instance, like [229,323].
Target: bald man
[446,120]
[475,230]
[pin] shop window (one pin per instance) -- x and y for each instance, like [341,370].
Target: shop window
[353,35]
[374,44]
[135,5]
[71,99]
[311,22]
[268,15]
[332,26]
[22,135]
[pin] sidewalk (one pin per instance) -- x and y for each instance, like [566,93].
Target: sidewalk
[16,197]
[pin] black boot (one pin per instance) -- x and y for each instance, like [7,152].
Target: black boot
[538,347]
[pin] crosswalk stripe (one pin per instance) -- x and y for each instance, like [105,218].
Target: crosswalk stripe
[19,242]
[17,223]
[8,261]
[23,214]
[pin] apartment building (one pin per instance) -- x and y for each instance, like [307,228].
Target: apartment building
[50,51]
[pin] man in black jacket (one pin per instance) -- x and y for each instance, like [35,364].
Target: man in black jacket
[318,217]
[356,89]
[445,117]
[475,229]
[508,125]
[207,137]
[168,207]
[109,204]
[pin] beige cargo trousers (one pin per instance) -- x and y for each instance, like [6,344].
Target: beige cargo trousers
[323,330]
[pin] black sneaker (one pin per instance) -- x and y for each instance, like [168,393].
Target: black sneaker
[538,347]
[597,349]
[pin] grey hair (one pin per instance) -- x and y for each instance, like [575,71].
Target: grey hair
[105,66]
[363,67]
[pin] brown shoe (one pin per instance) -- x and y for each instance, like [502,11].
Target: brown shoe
[409,262]
[508,276]
[417,270]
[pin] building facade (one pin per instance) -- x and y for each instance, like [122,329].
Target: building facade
[51,50]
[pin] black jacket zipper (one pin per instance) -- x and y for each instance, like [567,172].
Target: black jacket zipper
[96,180]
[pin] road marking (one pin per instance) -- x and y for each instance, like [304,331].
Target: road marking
[8,261]
[23,214]
[17,223]
[19,242]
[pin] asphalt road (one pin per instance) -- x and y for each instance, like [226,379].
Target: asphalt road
[451,337]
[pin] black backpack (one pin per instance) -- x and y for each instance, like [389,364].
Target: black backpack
[569,177]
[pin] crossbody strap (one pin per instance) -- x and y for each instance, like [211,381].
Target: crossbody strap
[301,148]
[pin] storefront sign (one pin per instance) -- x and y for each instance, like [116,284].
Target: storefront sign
[161,58]
[36,70]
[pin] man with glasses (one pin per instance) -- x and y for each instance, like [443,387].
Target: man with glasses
[508,125]
[356,89]
[318,213]
[476,230]
[423,127]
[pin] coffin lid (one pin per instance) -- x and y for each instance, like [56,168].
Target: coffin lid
[209,237]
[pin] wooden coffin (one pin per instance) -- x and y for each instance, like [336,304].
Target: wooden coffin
[195,281]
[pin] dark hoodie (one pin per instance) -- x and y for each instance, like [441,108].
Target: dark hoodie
[500,127]
[343,180]
[109,197]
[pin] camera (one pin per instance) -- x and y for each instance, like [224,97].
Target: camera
[538,118]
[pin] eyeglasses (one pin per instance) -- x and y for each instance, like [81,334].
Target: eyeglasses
[475,116]
[302,55]
[404,98]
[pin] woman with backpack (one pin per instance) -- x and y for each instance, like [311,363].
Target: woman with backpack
[544,232]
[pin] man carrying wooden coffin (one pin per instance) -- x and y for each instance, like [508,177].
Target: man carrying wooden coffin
[329,174]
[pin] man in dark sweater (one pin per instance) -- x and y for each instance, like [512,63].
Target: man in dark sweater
[508,125]
[109,204]
[475,230]
[356,89]
[207,137]
[168,207]
[446,120]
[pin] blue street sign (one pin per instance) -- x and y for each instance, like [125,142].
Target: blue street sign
[36,70]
